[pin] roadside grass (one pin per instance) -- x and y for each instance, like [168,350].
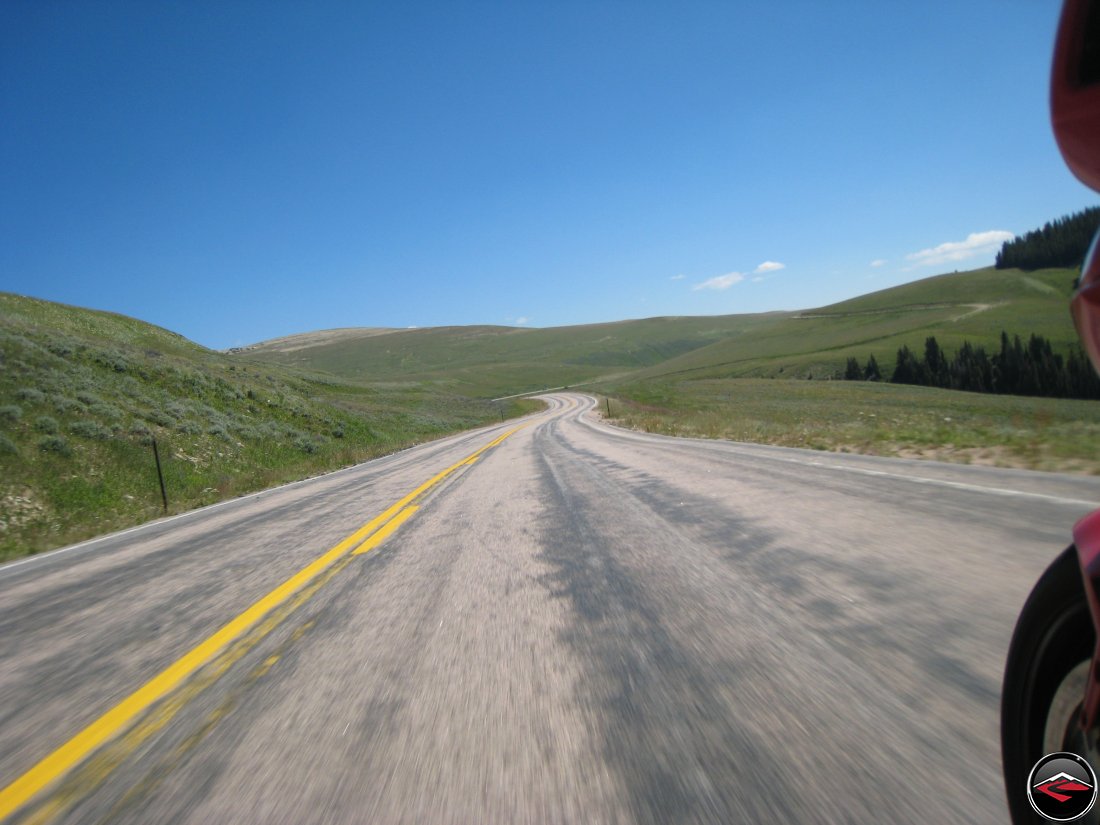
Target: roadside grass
[79,408]
[83,393]
[873,418]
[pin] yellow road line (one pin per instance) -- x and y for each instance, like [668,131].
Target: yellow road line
[103,729]
[385,532]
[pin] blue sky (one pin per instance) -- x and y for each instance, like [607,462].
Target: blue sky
[239,171]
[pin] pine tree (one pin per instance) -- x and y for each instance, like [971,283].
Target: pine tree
[1034,369]
[852,371]
[1059,243]
[1006,367]
[1081,377]
[907,370]
[871,371]
[935,364]
[971,369]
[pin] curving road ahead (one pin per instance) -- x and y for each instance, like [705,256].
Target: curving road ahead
[561,623]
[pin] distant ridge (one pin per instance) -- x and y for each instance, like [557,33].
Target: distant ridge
[304,340]
[494,361]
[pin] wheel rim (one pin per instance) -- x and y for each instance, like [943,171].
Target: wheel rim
[1062,731]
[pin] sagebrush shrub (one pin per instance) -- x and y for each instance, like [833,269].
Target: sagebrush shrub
[106,411]
[157,417]
[64,405]
[89,429]
[46,424]
[54,444]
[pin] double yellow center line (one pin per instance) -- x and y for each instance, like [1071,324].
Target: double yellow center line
[110,724]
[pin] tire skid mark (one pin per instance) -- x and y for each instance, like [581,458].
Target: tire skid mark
[666,728]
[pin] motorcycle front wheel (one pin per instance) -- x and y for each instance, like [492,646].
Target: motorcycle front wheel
[1045,679]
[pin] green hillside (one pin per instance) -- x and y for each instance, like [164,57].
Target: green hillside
[495,361]
[83,393]
[718,391]
[974,306]
[492,361]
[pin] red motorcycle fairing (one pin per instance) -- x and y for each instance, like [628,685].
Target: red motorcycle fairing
[1086,537]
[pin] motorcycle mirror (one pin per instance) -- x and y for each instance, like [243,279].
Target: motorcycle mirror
[1075,89]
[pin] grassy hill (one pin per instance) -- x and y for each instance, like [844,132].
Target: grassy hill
[702,376]
[494,361]
[83,393]
[717,391]
[491,361]
[972,306]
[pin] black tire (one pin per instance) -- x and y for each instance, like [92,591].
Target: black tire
[1053,636]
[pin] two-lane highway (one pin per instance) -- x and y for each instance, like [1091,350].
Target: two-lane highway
[560,622]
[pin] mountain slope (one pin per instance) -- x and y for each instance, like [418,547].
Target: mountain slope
[494,361]
[967,306]
[83,393]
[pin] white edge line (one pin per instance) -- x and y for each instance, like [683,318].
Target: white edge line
[942,482]
[149,525]
[958,485]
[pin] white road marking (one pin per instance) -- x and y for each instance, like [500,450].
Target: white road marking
[42,558]
[807,462]
[940,482]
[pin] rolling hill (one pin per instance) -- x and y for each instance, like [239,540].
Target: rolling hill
[967,306]
[491,361]
[83,394]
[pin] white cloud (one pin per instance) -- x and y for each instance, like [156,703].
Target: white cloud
[758,279]
[678,277]
[720,282]
[769,266]
[877,262]
[976,243]
[522,320]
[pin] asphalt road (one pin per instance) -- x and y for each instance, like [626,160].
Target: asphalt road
[581,625]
